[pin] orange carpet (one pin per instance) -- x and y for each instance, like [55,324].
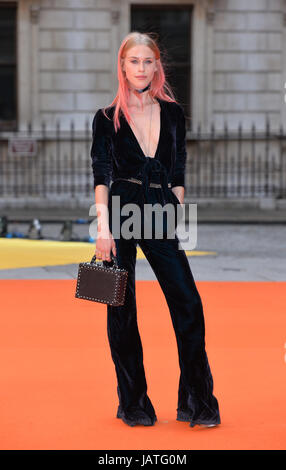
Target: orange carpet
[58,383]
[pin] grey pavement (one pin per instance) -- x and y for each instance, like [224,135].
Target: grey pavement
[243,252]
[216,212]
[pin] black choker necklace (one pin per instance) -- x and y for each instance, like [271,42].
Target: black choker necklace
[143,89]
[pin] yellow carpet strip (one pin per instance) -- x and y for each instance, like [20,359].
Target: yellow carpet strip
[23,253]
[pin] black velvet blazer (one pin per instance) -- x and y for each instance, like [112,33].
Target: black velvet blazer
[119,155]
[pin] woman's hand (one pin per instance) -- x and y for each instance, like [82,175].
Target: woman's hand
[104,245]
[179,192]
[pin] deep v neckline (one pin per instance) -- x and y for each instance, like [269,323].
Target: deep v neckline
[160,133]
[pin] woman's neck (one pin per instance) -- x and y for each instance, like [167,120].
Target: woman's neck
[139,100]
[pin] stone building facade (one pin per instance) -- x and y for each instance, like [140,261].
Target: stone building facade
[67,56]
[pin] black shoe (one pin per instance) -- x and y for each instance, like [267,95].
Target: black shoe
[204,425]
[208,425]
[136,416]
[185,416]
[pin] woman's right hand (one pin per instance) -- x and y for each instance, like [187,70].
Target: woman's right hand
[104,245]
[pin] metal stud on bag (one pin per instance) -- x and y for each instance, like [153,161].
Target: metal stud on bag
[102,282]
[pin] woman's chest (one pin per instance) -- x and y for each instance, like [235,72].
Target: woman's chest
[127,151]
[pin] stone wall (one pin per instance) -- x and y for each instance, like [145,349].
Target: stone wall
[249,69]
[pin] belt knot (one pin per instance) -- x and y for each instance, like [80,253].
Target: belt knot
[151,165]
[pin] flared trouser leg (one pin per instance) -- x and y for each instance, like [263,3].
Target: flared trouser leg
[126,347]
[196,401]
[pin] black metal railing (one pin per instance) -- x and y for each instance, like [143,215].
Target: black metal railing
[237,164]
[223,164]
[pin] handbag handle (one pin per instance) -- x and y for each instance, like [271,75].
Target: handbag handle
[113,259]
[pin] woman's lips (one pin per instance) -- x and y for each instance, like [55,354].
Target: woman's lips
[141,77]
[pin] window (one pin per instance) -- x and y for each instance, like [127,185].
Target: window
[7,66]
[172,26]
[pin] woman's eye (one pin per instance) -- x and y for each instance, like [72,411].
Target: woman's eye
[147,61]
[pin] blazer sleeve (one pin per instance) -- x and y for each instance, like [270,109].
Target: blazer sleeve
[101,151]
[181,153]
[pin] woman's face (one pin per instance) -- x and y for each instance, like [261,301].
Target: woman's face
[139,65]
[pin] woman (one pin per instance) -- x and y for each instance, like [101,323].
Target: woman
[139,144]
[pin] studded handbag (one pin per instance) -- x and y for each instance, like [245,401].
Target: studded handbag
[100,282]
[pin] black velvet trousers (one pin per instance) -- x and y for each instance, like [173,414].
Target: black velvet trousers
[196,402]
